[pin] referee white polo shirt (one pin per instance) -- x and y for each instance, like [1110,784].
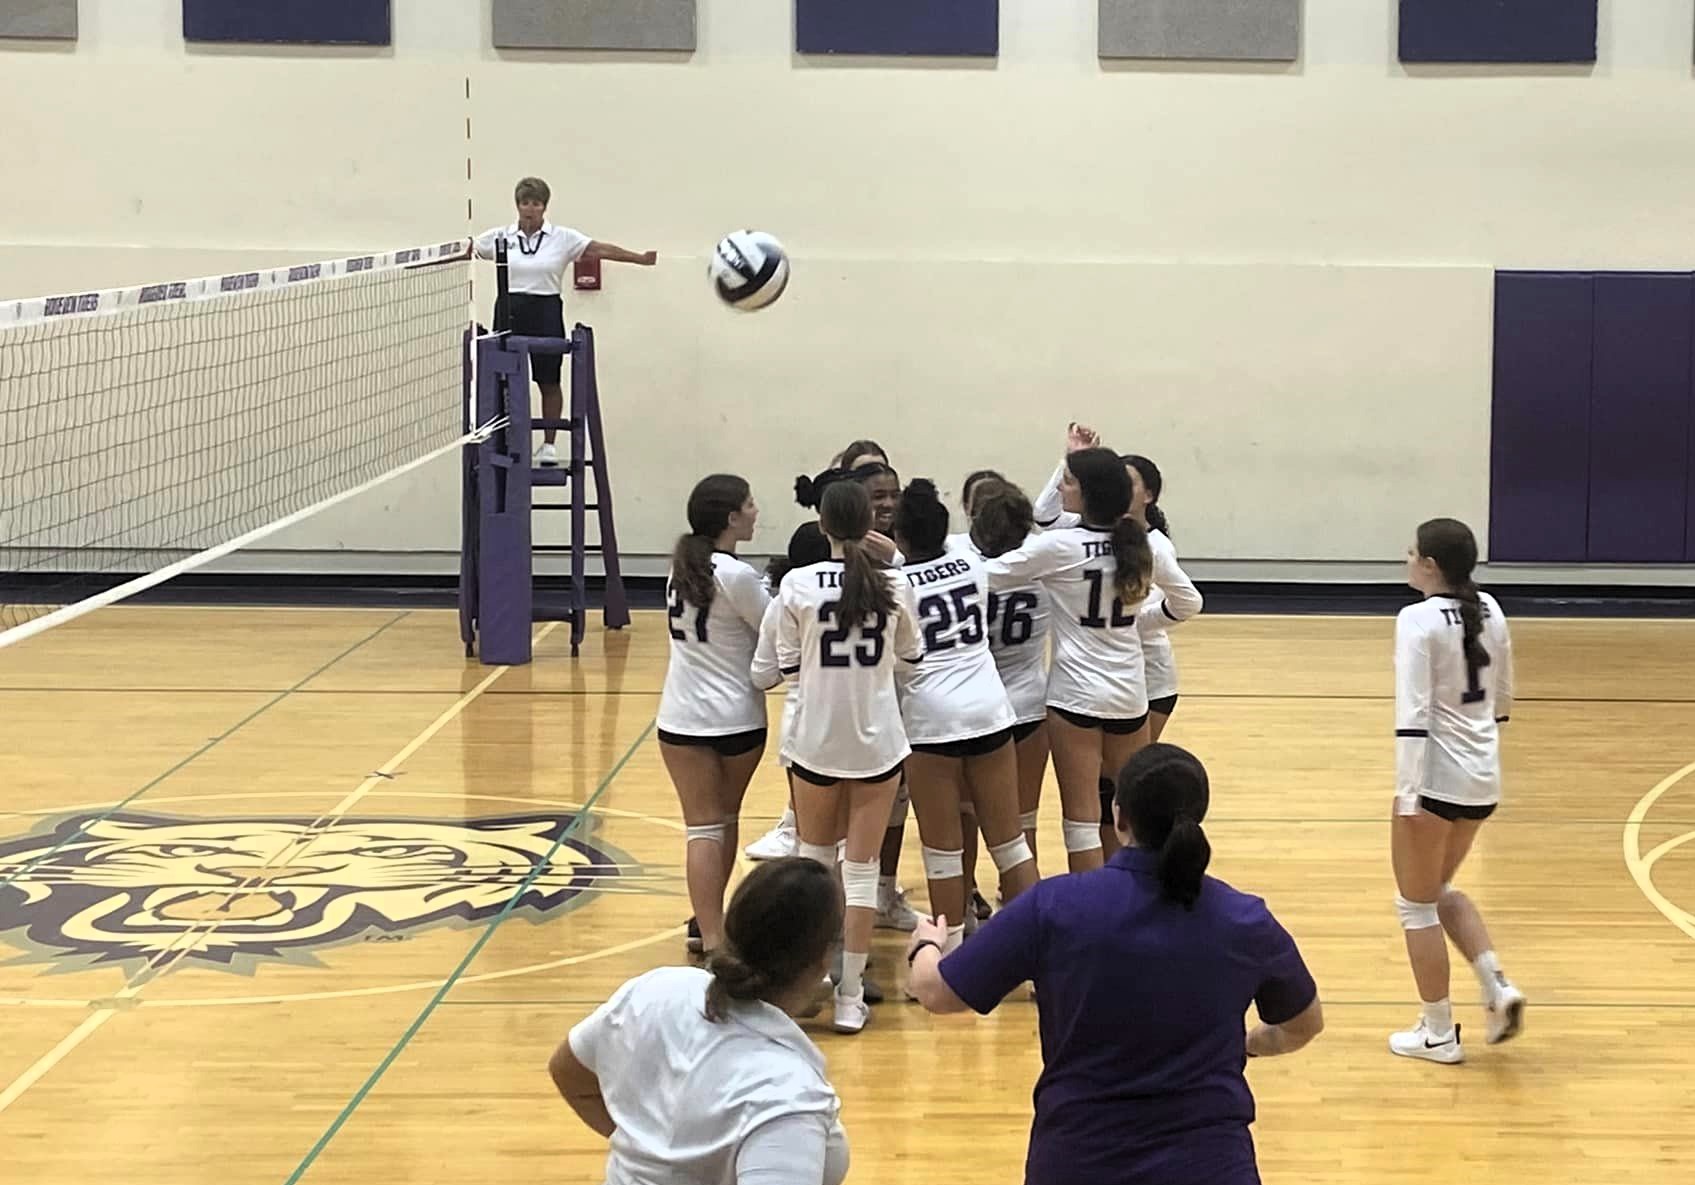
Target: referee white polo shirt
[698,1102]
[535,264]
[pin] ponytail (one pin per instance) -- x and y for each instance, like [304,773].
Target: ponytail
[691,571]
[1450,544]
[1156,519]
[1162,796]
[1133,576]
[711,503]
[845,516]
[1183,860]
[866,591]
[1471,618]
[1152,484]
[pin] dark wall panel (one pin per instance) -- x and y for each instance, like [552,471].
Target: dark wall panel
[1639,418]
[1539,432]
[309,22]
[1498,30]
[957,28]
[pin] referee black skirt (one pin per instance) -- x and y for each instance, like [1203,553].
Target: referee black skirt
[534,315]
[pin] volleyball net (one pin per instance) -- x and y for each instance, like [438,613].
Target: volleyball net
[149,431]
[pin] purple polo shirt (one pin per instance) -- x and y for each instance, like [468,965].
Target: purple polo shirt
[1141,1005]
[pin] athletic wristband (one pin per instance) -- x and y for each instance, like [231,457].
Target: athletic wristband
[913,953]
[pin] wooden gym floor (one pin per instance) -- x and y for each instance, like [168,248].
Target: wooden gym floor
[296,894]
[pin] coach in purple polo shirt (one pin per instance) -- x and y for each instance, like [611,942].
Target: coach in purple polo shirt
[1143,970]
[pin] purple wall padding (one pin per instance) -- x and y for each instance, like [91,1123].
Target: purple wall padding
[1639,418]
[1539,433]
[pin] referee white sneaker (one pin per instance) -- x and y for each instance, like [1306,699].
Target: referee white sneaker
[852,1013]
[547,457]
[779,843]
[1419,1042]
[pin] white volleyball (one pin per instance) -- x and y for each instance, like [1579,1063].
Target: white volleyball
[749,269]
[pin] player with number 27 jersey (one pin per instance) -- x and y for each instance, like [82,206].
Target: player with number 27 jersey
[955,694]
[708,691]
[848,723]
[1097,650]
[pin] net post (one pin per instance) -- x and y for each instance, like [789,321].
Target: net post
[468,517]
[504,590]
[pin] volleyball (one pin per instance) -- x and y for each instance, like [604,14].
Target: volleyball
[749,270]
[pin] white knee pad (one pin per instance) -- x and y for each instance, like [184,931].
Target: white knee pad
[1028,820]
[1417,915]
[1081,837]
[903,801]
[859,883]
[707,833]
[824,853]
[941,865]
[1012,853]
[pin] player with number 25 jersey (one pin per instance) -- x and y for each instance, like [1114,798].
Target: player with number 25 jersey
[956,693]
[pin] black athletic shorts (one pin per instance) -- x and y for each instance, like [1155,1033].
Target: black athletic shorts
[1163,706]
[733,745]
[1453,810]
[1117,728]
[535,315]
[816,779]
[1023,732]
[970,747]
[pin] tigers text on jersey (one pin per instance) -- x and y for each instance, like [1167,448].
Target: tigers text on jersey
[847,723]
[956,692]
[1447,721]
[708,688]
[1097,665]
[1018,641]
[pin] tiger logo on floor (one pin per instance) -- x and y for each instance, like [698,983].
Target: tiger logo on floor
[233,893]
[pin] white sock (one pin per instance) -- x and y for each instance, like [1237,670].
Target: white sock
[1488,969]
[787,822]
[956,935]
[1439,1018]
[853,973]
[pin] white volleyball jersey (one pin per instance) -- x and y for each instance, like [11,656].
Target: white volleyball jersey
[955,693]
[848,721]
[1049,506]
[1447,718]
[1097,648]
[1158,663]
[1018,641]
[708,688]
[766,673]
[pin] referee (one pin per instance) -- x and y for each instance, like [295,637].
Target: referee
[537,254]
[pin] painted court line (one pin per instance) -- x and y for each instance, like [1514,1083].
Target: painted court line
[164,962]
[192,757]
[1642,867]
[364,1091]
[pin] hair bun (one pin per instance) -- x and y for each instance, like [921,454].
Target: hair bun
[739,981]
[805,494]
[923,487]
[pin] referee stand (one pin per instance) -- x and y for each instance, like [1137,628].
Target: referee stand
[499,598]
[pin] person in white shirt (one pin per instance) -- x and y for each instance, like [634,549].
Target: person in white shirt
[711,716]
[841,627]
[1098,575]
[702,1077]
[1453,691]
[537,254]
[957,715]
[1001,521]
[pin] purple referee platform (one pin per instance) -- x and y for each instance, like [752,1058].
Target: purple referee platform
[498,595]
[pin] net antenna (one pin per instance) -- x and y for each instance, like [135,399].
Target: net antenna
[151,431]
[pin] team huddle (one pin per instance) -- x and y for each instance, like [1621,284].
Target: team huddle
[940,673]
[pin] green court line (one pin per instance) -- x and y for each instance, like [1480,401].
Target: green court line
[364,1091]
[196,755]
